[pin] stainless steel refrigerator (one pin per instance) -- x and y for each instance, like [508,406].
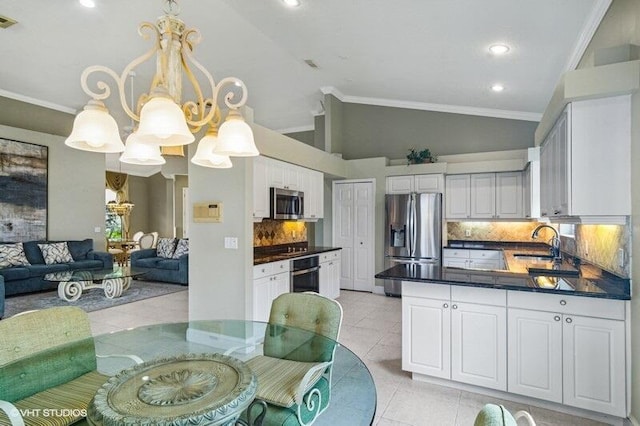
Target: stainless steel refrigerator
[413,232]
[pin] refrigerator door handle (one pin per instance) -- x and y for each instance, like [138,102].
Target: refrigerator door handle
[413,235]
[408,236]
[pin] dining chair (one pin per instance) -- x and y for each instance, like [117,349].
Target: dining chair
[294,372]
[118,254]
[497,415]
[146,241]
[155,239]
[136,237]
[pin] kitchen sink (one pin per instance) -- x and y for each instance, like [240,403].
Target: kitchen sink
[533,258]
[541,264]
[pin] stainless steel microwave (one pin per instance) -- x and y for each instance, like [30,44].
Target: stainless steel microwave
[287,204]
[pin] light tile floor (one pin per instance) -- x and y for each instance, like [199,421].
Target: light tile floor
[372,329]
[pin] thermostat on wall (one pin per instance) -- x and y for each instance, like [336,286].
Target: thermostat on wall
[207,212]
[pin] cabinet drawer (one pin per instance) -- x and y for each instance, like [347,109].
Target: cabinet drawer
[483,296]
[486,254]
[266,269]
[573,305]
[330,255]
[459,253]
[426,290]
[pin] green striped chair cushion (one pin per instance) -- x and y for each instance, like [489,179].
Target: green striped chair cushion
[281,416]
[278,379]
[61,405]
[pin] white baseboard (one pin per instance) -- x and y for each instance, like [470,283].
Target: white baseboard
[633,421]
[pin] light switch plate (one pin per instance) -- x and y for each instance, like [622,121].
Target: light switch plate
[97,229]
[231,243]
[621,257]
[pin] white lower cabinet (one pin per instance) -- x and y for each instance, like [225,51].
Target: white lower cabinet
[426,336]
[270,280]
[569,350]
[479,345]
[330,274]
[446,336]
[535,354]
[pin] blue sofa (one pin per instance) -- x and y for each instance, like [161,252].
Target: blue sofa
[30,278]
[161,269]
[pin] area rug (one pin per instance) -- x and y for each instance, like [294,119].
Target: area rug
[91,300]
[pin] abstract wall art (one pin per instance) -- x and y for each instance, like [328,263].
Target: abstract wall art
[23,191]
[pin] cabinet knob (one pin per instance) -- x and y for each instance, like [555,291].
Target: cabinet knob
[454,306]
[446,305]
[569,320]
[556,212]
[556,318]
[563,302]
[361,242]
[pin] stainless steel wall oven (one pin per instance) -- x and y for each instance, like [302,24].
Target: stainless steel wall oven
[305,274]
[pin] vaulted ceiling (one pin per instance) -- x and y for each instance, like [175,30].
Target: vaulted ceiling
[426,54]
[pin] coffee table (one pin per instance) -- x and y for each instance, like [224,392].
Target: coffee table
[113,281]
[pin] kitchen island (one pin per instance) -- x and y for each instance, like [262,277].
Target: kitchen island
[563,344]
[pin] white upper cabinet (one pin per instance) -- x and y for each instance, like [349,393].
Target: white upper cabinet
[261,204]
[458,196]
[313,187]
[415,183]
[484,196]
[585,160]
[509,195]
[269,173]
[283,175]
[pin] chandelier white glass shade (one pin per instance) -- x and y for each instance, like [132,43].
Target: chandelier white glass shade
[95,130]
[205,154]
[235,137]
[164,120]
[142,154]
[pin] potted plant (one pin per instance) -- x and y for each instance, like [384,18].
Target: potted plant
[420,157]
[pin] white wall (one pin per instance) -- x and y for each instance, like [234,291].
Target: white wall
[76,187]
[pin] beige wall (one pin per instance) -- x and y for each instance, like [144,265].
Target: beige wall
[139,195]
[33,117]
[76,187]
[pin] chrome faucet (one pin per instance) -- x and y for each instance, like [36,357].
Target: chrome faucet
[555,241]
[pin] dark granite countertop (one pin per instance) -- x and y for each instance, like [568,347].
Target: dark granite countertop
[591,281]
[275,256]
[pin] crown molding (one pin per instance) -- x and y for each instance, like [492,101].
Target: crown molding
[589,29]
[454,109]
[307,128]
[34,101]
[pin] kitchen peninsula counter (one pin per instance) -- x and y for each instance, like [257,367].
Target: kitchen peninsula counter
[591,282]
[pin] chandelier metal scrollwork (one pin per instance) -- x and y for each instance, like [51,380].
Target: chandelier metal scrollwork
[163,119]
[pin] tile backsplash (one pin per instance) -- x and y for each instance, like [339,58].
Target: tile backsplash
[600,245]
[491,231]
[596,244]
[274,232]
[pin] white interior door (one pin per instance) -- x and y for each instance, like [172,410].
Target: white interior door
[363,238]
[343,233]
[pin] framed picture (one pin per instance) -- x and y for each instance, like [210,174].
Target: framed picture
[23,191]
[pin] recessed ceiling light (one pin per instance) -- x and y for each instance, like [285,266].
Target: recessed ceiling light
[497,87]
[88,3]
[292,3]
[499,49]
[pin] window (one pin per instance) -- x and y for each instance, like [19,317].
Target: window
[113,222]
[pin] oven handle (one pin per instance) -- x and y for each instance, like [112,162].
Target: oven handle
[305,271]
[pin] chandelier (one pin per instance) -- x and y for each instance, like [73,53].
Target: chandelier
[163,119]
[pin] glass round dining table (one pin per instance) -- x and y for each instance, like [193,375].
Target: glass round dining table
[352,393]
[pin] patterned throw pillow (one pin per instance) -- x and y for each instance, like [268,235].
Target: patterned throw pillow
[181,248]
[55,253]
[166,247]
[12,255]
